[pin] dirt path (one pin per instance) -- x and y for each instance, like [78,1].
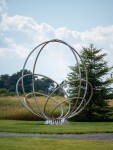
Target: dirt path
[91,136]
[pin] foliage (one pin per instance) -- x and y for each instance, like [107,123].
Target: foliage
[97,69]
[45,85]
[5,92]
[9,83]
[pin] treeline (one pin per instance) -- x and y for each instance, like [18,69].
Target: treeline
[41,85]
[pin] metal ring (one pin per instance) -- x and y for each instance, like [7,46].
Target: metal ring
[72,111]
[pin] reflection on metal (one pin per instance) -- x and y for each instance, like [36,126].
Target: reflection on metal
[80,102]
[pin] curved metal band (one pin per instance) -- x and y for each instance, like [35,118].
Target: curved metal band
[28,104]
[77,106]
[35,65]
[86,103]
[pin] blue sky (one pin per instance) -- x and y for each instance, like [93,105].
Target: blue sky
[77,15]
[26,23]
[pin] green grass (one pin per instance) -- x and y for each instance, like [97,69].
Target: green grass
[39,127]
[18,143]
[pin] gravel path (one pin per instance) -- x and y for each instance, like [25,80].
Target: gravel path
[91,136]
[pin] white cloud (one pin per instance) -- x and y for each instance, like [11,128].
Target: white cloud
[98,34]
[17,23]
[39,33]
[13,50]
[33,34]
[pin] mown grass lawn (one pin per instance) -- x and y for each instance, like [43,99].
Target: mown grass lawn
[18,143]
[39,127]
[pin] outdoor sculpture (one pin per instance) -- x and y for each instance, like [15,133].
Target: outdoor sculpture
[80,101]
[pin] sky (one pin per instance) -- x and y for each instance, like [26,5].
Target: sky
[26,23]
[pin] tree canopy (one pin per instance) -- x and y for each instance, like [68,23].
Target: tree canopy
[97,69]
[8,84]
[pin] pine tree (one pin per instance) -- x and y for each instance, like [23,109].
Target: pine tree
[98,108]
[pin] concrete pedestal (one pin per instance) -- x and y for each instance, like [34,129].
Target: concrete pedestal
[57,122]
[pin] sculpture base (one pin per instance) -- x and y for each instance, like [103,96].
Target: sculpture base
[57,122]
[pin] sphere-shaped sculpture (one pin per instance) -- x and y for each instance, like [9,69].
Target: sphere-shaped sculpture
[75,104]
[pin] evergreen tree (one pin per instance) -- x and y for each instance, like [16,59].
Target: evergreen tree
[98,108]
